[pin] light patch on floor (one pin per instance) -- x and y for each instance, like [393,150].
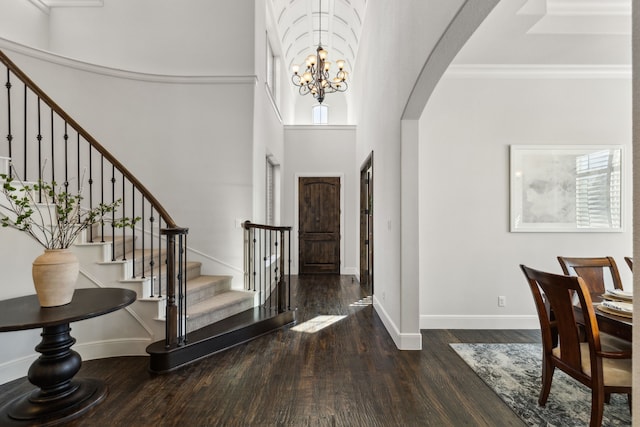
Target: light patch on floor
[317,323]
[362,303]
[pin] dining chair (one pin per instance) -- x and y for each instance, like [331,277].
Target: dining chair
[592,272]
[629,261]
[601,369]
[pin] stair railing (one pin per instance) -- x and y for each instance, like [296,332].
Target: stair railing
[265,270]
[44,143]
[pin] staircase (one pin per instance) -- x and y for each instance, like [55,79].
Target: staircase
[210,298]
[186,313]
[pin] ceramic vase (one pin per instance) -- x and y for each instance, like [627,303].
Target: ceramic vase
[55,273]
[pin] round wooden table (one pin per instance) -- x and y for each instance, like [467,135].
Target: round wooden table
[59,397]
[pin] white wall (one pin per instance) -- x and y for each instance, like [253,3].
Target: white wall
[468,257]
[269,112]
[24,23]
[336,102]
[159,36]
[323,151]
[400,37]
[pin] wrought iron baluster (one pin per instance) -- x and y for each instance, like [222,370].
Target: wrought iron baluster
[39,138]
[25,171]
[182,281]
[133,230]
[253,259]
[9,134]
[270,279]
[90,181]
[66,158]
[113,213]
[53,152]
[123,233]
[263,250]
[102,195]
[80,178]
[153,257]
[143,238]
[160,261]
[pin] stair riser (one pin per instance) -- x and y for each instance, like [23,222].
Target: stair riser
[219,314]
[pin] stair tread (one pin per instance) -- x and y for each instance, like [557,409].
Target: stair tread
[163,269]
[223,299]
[205,280]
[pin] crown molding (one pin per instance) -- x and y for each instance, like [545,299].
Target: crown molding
[46,5]
[537,71]
[40,4]
[125,74]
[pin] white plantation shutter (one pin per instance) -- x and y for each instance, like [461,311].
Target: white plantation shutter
[270,192]
[598,190]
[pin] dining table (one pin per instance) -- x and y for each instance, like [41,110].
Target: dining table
[619,326]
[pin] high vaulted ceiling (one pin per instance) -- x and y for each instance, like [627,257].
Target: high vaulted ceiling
[303,24]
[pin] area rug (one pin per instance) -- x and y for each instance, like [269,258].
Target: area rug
[514,371]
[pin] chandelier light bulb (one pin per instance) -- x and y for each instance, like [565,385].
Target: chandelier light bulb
[322,54]
[311,60]
[340,64]
[307,77]
[327,65]
[295,69]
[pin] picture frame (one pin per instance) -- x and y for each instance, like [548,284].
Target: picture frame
[566,188]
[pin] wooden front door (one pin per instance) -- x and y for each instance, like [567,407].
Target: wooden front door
[319,225]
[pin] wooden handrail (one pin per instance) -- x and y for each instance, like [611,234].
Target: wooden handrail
[248,225]
[90,139]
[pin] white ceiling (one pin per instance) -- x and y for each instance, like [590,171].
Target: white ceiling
[547,32]
[299,22]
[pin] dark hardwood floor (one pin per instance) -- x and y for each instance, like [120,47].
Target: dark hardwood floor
[348,374]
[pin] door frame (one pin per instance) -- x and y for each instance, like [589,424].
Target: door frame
[366,165]
[296,212]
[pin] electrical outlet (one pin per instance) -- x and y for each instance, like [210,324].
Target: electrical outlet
[502,301]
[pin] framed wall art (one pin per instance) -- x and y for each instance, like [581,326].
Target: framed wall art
[566,188]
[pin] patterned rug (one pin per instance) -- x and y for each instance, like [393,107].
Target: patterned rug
[514,372]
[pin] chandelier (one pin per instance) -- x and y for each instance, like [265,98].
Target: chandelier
[315,79]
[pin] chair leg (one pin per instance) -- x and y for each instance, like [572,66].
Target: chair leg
[629,402]
[547,376]
[597,407]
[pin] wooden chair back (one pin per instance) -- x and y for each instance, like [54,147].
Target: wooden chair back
[592,272]
[563,348]
[552,294]
[629,261]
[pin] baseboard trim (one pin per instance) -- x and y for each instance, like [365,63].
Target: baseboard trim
[404,341]
[461,321]
[113,348]
[16,368]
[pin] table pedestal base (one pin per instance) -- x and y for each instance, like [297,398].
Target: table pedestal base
[59,397]
[30,409]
